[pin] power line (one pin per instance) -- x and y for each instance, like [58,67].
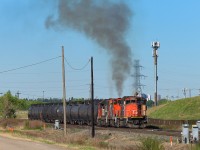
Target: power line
[77,68]
[30,65]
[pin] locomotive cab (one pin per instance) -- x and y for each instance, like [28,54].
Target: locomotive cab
[134,110]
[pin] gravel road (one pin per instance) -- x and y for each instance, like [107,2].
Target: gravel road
[7,143]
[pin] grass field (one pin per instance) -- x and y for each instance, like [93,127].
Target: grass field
[22,114]
[80,138]
[183,109]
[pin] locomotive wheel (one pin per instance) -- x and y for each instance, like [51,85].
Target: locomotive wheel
[106,124]
[112,123]
[117,124]
[124,123]
[141,125]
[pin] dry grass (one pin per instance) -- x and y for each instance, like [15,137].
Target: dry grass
[14,123]
[22,114]
[79,138]
[34,124]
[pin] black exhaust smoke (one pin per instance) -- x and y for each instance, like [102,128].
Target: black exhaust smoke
[106,23]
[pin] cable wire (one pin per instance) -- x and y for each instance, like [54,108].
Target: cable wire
[77,68]
[30,65]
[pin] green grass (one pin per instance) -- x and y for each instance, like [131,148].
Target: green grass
[183,109]
[196,146]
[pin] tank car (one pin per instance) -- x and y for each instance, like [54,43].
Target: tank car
[76,113]
[118,112]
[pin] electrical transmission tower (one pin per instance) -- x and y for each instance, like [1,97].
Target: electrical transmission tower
[137,76]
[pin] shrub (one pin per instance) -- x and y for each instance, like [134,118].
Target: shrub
[150,144]
[103,144]
[196,147]
[35,124]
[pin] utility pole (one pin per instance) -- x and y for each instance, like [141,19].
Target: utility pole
[155,46]
[43,95]
[92,99]
[184,92]
[18,94]
[64,92]
[190,92]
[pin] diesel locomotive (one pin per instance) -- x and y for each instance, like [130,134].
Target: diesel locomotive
[118,112]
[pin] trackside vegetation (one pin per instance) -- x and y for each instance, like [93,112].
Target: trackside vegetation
[13,107]
[150,144]
[10,104]
[182,109]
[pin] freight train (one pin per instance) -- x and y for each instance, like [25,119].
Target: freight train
[118,112]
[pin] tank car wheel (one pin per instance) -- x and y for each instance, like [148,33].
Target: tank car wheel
[80,122]
[88,123]
[99,123]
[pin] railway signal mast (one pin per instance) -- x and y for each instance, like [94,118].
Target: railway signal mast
[155,46]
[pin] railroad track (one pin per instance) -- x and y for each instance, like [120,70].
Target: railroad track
[152,130]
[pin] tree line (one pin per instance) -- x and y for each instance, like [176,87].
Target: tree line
[10,104]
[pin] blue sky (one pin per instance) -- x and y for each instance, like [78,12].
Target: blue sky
[25,40]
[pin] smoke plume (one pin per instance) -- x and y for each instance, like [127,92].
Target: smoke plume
[106,23]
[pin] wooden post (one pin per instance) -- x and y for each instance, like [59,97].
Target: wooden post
[92,99]
[64,92]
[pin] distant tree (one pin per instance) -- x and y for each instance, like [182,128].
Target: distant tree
[8,105]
